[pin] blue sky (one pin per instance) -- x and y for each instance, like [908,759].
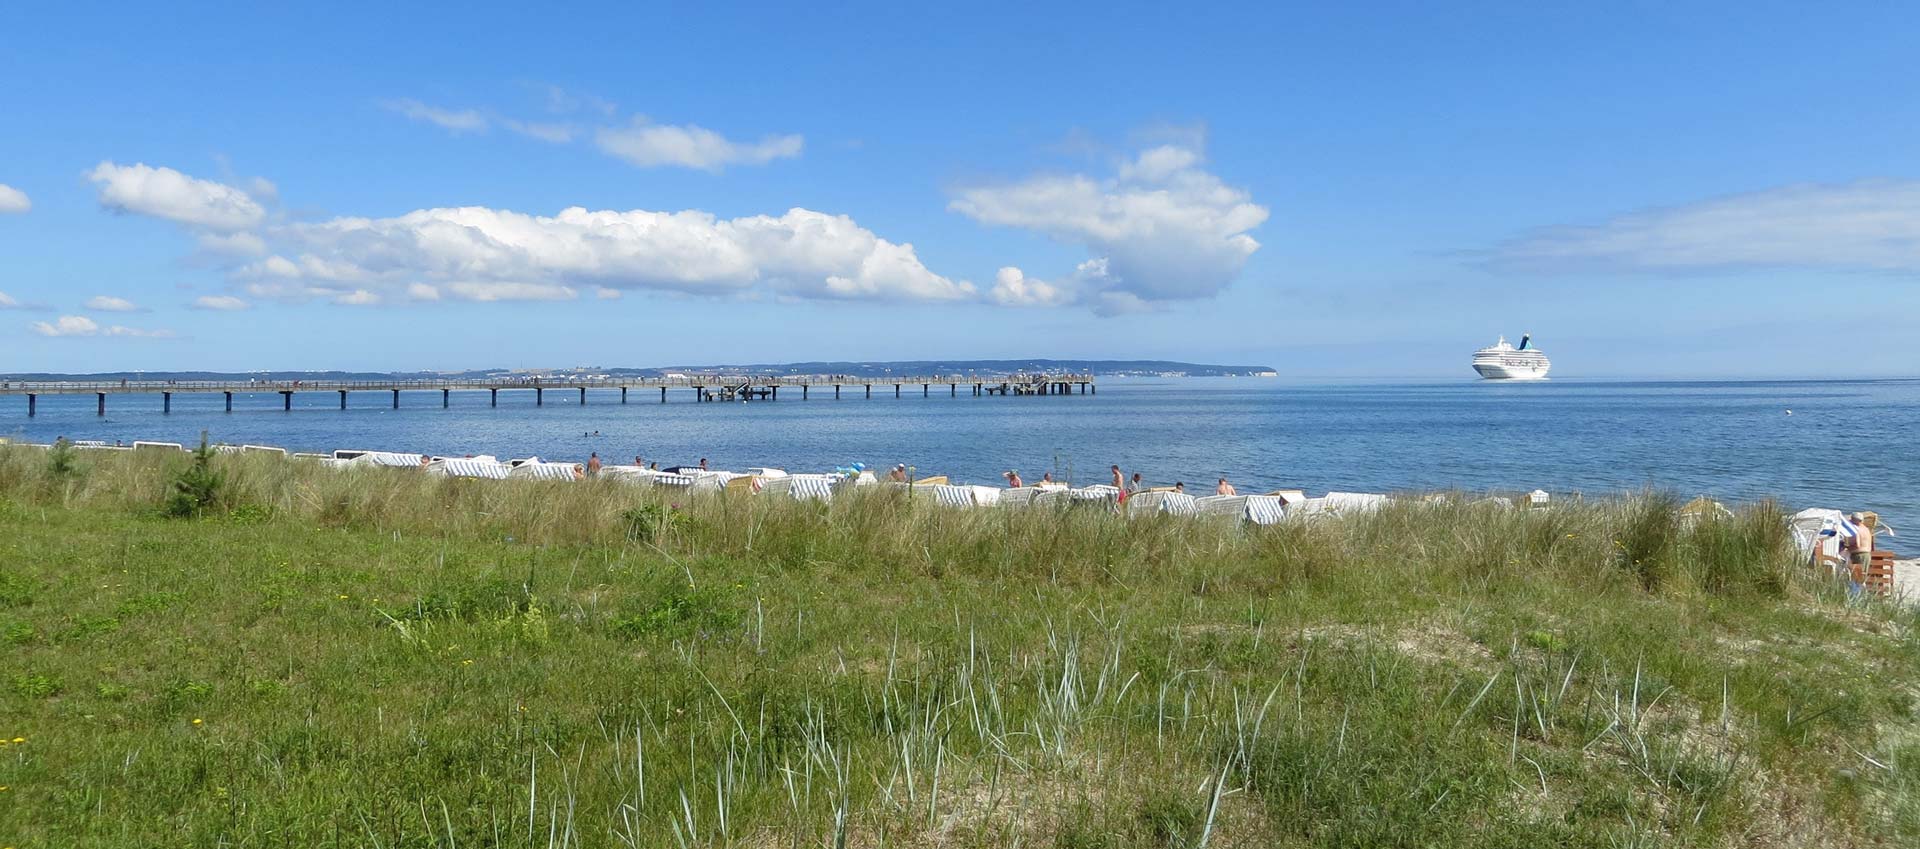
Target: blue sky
[1715,190]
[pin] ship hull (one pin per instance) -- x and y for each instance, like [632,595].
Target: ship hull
[1505,371]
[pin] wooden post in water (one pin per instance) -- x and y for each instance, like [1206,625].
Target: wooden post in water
[166,403]
[869,390]
[32,401]
[583,396]
[446,398]
[663,395]
[896,390]
[286,399]
[836,392]
[923,390]
[803,392]
[775,395]
[103,403]
[493,397]
[396,399]
[539,397]
[229,402]
[623,395]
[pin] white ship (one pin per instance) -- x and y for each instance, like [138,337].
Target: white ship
[1505,362]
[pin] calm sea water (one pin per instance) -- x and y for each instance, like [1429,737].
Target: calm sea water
[1847,444]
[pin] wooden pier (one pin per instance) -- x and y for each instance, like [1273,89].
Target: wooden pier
[703,388]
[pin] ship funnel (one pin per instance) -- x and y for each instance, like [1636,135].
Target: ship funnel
[1524,339]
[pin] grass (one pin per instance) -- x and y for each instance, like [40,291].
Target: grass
[376,659]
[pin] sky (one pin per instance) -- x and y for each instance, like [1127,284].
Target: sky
[1661,190]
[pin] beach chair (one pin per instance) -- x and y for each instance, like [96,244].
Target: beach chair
[1878,576]
[1155,503]
[952,496]
[810,487]
[1016,499]
[936,480]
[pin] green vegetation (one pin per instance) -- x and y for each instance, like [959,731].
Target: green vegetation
[372,658]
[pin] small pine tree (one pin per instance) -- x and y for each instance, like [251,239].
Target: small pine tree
[61,463]
[198,486]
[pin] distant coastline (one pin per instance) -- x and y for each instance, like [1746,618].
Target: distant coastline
[1107,368]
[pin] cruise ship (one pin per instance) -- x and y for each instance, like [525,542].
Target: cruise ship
[1505,362]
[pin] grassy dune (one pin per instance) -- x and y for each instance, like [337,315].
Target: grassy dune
[382,659]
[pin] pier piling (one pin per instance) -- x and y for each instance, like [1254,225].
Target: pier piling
[539,397]
[396,399]
[663,395]
[286,400]
[869,390]
[446,398]
[343,399]
[836,392]
[229,402]
[32,401]
[896,390]
[166,403]
[583,396]
[623,395]
[103,403]
[493,397]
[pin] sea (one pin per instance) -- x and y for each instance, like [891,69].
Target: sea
[1843,444]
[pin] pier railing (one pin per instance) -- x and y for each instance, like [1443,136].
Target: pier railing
[36,387]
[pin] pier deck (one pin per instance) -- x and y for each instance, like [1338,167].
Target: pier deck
[705,387]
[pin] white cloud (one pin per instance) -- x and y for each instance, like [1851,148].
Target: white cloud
[455,120]
[7,302]
[606,294]
[357,298]
[13,201]
[1013,288]
[81,326]
[109,303]
[1870,224]
[220,303]
[653,145]
[481,254]
[1165,228]
[555,133]
[232,244]
[169,194]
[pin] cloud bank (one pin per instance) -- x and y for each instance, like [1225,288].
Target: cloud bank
[1161,228]
[1865,225]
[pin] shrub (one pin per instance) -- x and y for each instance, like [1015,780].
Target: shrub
[197,488]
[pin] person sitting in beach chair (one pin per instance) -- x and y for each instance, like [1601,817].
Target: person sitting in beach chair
[1013,478]
[1225,488]
[898,474]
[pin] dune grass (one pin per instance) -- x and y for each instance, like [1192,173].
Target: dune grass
[377,658]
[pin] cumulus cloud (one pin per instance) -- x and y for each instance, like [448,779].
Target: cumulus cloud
[1162,228]
[219,303]
[7,302]
[1870,225]
[653,145]
[81,326]
[13,201]
[482,254]
[169,194]
[109,303]
[454,120]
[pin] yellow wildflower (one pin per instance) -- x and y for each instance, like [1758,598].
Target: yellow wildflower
[468,662]
[196,720]
[19,739]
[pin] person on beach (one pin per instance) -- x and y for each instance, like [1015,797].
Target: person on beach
[1862,553]
[1119,480]
[636,461]
[1046,479]
[1225,488]
[1013,478]
[1136,485]
[1179,487]
[593,464]
[899,473]
[703,464]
